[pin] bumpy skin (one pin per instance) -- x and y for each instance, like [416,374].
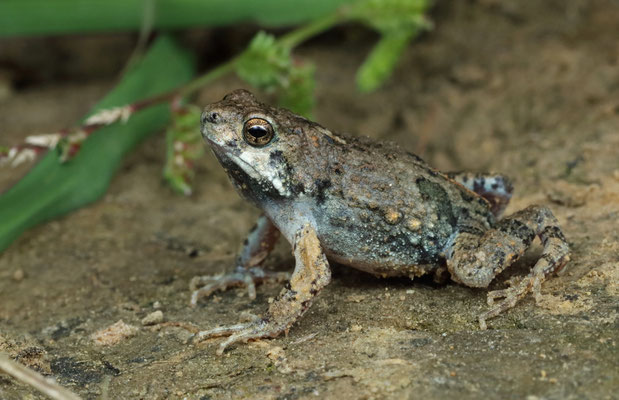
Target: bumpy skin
[368,205]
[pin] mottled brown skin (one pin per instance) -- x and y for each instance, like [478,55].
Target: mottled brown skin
[365,204]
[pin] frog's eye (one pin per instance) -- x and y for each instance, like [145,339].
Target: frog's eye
[258,132]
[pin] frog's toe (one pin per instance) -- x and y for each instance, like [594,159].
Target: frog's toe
[203,286]
[499,294]
[240,333]
[510,297]
[221,331]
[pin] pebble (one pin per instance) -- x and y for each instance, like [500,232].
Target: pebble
[156,317]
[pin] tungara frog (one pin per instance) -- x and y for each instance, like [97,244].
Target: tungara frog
[365,204]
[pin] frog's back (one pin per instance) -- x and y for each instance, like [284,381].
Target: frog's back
[386,211]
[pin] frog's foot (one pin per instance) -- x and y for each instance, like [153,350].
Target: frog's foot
[478,256]
[311,274]
[510,297]
[242,332]
[259,243]
[202,286]
[530,283]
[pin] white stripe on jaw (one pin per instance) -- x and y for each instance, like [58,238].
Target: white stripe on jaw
[249,163]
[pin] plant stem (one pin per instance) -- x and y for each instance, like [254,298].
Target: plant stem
[210,76]
[291,40]
[298,36]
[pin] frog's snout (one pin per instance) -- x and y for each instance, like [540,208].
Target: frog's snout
[211,117]
[208,120]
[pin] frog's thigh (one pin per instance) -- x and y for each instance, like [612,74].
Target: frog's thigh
[495,188]
[477,256]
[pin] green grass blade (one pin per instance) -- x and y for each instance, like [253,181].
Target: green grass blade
[47,17]
[51,189]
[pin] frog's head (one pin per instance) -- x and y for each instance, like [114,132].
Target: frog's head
[253,142]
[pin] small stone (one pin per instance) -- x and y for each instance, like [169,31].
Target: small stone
[19,275]
[469,75]
[156,317]
[276,353]
[114,334]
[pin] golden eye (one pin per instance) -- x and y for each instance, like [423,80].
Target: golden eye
[258,132]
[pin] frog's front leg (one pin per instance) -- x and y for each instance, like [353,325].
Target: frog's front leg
[256,248]
[477,256]
[310,275]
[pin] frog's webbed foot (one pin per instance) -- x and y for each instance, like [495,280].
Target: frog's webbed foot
[310,275]
[478,256]
[259,243]
[203,286]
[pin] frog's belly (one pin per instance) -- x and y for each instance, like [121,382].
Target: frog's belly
[384,268]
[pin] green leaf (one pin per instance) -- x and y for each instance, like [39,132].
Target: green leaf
[391,16]
[265,63]
[268,66]
[46,17]
[51,189]
[381,61]
[398,21]
[183,146]
[298,96]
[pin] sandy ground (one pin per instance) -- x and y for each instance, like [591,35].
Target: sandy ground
[530,89]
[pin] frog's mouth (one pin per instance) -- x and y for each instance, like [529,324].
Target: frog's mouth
[210,137]
[245,176]
[230,155]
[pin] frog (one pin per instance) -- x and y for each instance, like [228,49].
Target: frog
[365,204]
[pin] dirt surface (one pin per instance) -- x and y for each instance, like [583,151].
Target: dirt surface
[530,89]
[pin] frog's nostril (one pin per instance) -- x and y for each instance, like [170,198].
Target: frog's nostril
[211,117]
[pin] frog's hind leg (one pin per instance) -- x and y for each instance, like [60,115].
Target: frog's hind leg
[311,274]
[495,188]
[477,256]
[259,243]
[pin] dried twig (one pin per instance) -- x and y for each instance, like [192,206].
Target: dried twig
[70,140]
[34,379]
